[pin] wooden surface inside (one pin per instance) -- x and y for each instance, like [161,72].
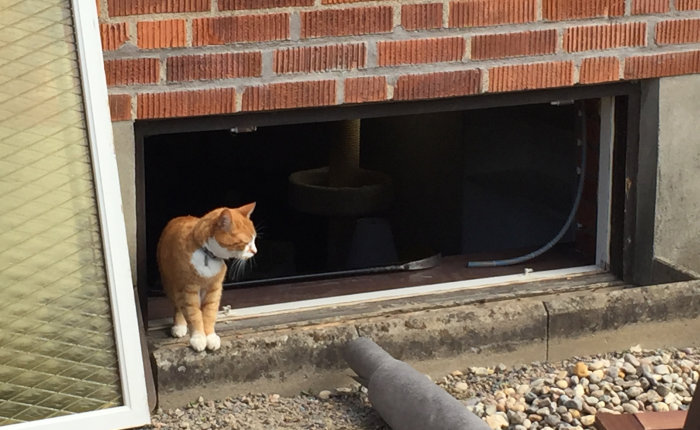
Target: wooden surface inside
[672,420]
[449,269]
[604,421]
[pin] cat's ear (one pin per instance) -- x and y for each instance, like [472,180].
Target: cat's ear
[224,221]
[247,210]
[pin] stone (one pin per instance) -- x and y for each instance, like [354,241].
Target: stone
[596,376]
[461,387]
[629,408]
[662,369]
[587,420]
[581,369]
[663,390]
[481,371]
[660,407]
[496,422]
[631,359]
[562,383]
[515,417]
[576,403]
[634,392]
[629,369]
[324,395]
[552,420]
[598,364]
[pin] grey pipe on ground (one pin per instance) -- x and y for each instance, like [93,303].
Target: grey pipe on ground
[405,398]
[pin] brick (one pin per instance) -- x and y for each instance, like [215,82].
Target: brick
[678,31]
[261,4]
[140,7]
[513,44]
[654,66]
[417,51]
[120,107]
[346,22]
[114,36]
[132,71]
[320,58]
[244,28]
[599,69]
[214,66]
[421,16]
[688,4]
[342,1]
[175,104]
[365,89]
[594,37]
[556,10]
[641,7]
[436,85]
[531,76]
[161,34]
[289,95]
[476,13]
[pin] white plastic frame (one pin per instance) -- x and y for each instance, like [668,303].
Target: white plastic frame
[135,411]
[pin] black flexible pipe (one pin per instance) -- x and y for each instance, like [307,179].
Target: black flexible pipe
[567,224]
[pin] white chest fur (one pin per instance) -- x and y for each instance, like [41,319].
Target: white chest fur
[204,265]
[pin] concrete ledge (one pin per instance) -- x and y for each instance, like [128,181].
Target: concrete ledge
[515,331]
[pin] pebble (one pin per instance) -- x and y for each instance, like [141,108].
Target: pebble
[461,386]
[497,422]
[537,396]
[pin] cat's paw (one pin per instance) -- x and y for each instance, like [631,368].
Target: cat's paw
[178,330]
[198,342]
[213,341]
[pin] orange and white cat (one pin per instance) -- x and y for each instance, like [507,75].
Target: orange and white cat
[191,258]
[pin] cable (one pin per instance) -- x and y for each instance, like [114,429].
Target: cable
[570,219]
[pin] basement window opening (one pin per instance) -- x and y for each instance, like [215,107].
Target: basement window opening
[392,203]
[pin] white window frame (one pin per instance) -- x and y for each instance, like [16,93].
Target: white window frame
[135,411]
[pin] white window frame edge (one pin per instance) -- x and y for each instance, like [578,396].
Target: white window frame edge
[135,411]
[605,178]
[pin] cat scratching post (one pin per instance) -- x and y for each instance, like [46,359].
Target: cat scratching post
[405,398]
[341,191]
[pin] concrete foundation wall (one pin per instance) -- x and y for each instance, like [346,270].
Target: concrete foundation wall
[124,146]
[677,226]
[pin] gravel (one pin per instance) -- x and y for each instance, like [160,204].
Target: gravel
[537,396]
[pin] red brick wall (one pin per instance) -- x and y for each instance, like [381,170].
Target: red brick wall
[175,58]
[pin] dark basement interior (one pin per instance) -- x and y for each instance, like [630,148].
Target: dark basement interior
[440,189]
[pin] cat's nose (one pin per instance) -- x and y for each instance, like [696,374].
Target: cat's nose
[253,249]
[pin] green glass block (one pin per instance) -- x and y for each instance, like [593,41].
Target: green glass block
[10,409]
[56,383]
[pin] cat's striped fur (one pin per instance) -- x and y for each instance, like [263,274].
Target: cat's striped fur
[191,253]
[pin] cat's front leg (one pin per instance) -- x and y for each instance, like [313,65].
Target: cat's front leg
[210,307]
[193,315]
[179,328]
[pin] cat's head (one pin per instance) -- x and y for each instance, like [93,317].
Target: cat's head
[234,233]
